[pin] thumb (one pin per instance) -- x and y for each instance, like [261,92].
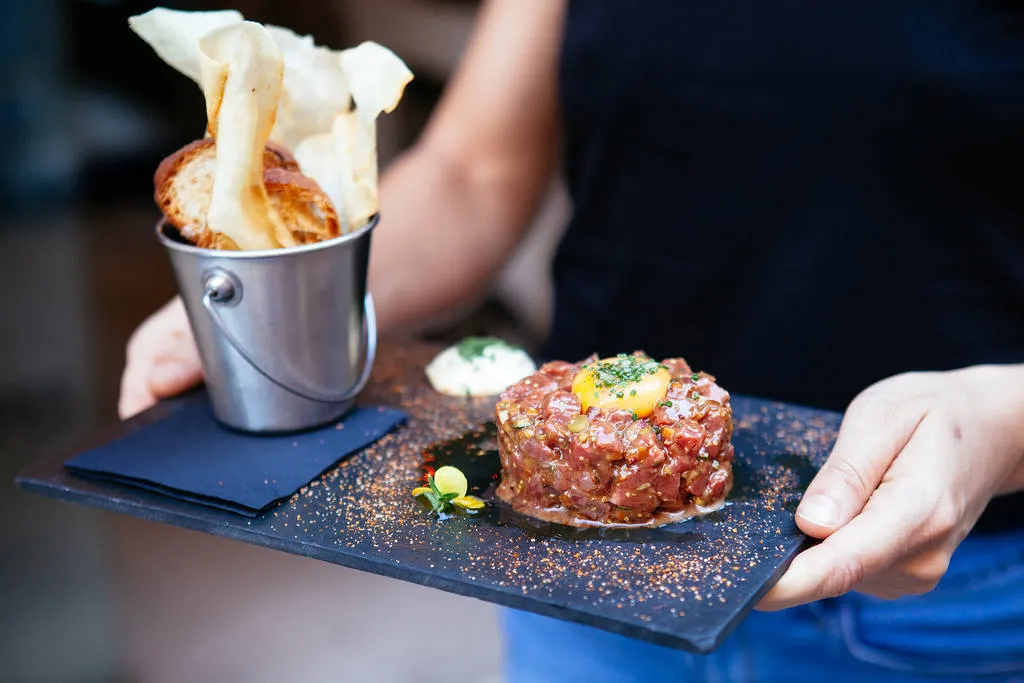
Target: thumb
[176,371]
[173,376]
[875,429]
[135,395]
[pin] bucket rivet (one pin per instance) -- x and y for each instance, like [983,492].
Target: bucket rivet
[220,287]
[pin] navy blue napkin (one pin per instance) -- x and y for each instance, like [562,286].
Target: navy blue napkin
[188,455]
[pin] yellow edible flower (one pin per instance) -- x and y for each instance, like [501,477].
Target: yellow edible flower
[448,486]
[469,502]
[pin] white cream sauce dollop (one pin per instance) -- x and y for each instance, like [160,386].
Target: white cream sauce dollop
[478,366]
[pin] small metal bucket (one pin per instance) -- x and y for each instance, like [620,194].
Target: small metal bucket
[287,337]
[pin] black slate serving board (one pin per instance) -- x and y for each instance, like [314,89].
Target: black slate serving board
[685,586]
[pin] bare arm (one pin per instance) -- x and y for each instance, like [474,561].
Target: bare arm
[454,206]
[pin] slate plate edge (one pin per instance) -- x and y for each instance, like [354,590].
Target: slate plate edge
[35,480]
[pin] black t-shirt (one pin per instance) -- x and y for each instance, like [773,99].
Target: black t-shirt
[798,197]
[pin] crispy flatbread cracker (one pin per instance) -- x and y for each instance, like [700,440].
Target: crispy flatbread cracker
[344,161]
[355,140]
[174,35]
[315,88]
[376,78]
[266,84]
[317,159]
[241,74]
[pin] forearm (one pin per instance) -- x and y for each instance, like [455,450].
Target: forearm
[443,236]
[1007,384]
[453,208]
[1016,480]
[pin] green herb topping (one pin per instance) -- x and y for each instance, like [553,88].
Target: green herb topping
[474,347]
[622,371]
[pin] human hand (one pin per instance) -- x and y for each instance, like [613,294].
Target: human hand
[917,459]
[162,360]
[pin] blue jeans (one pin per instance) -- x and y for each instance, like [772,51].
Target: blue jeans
[970,628]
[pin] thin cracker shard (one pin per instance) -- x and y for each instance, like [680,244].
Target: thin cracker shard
[242,70]
[377,78]
[344,159]
[174,35]
[315,88]
[270,84]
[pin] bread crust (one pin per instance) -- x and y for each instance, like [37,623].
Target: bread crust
[304,207]
[183,185]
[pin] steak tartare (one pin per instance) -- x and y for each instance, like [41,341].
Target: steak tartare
[625,441]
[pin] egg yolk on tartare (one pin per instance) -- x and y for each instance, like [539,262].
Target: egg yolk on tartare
[633,383]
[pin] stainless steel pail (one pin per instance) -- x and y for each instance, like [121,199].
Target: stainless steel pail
[287,337]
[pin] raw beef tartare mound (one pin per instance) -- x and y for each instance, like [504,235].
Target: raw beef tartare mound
[618,441]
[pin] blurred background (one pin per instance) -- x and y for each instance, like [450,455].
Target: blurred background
[86,113]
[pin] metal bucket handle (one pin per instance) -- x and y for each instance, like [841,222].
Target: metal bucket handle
[221,287]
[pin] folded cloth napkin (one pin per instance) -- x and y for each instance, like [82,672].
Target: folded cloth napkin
[188,455]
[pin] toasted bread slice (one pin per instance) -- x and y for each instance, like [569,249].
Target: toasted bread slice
[304,207]
[184,184]
[209,239]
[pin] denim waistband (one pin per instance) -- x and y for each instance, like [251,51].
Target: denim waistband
[971,624]
[970,628]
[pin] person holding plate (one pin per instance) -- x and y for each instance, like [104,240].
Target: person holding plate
[819,203]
